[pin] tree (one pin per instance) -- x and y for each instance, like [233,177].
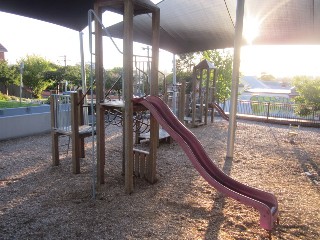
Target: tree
[186,62]
[309,93]
[187,76]
[267,77]
[8,75]
[113,79]
[72,74]
[34,74]
[223,61]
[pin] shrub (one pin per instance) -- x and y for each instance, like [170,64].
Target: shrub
[4,97]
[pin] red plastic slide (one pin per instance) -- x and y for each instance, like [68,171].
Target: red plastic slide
[266,203]
[220,111]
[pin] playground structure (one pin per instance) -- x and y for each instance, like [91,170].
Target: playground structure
[143,163]
[202,94]
[68,119]
[128,9]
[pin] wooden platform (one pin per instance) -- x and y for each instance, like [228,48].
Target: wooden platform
[163,136]
[188,121]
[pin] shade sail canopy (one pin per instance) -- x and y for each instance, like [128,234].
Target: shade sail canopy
[188,26]
[67,13]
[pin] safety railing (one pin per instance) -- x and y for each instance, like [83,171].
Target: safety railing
[62,112]
[272,111]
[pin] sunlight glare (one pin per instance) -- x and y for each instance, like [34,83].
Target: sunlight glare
[251,28]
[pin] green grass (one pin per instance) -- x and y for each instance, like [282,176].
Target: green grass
[15,104]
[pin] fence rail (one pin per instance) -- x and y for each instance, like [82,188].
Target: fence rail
[290,113]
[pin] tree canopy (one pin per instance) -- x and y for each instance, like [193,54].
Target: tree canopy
[309,93]
[223,60]
[8,74]
[33,74]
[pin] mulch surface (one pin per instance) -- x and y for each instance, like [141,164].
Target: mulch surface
[39,201]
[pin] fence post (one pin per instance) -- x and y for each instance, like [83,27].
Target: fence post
[268,111]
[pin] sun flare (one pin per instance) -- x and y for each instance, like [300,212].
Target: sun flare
[251,29]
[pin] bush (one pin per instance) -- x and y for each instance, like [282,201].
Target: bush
[4,97]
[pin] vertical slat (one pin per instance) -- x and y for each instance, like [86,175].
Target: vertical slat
[142,165]
[137,128]
[136,164]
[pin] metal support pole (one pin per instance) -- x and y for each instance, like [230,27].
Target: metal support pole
[21,82]
[235,78]
[128,92]
[83,71]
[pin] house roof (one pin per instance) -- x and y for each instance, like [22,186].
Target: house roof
[188,26]
[2,48]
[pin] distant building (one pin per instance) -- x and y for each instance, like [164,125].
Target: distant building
[2,51]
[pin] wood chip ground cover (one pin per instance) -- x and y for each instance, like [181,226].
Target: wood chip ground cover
[39,201]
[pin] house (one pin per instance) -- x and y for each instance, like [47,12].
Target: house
[2,51]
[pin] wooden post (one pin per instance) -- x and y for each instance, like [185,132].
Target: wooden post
[182,101]
[54,135]
[100,125]
[201,97]
[206,101]
[214,92]
[194,89]
[81,121]
[154,126]
[128,92]
[165,90]
[75,134]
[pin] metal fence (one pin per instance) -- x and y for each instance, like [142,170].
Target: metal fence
[307,115]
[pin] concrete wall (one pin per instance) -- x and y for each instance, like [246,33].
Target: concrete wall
[24,125]
[6,112]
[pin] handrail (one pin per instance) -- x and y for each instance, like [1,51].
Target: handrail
[103,28]
[113,85]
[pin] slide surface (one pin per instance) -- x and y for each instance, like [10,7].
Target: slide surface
[266,203]
[220,111]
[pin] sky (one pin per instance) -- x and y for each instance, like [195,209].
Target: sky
[25,36]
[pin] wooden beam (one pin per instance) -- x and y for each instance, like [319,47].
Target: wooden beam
[75,138]
[54,135]
[194,90]
[154,126]
[100,125]
[182,100]
[207,97]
